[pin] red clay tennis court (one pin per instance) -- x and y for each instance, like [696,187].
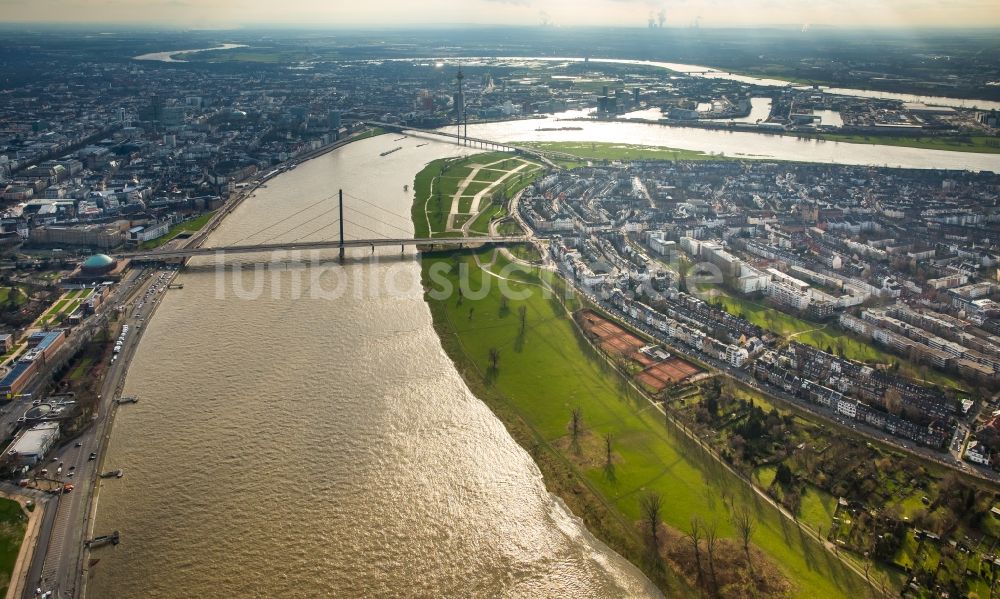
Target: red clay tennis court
[612,338]
[615,340]
[671,370]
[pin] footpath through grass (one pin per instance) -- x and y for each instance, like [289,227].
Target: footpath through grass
[546,371]
[437,183]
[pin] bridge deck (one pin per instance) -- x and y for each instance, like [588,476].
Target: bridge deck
[478,140]
[317,245]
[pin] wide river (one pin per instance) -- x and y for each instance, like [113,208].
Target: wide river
[302,434]
[731,143]
[291,445]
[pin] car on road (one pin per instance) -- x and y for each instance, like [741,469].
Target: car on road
[79,444]
[93,456]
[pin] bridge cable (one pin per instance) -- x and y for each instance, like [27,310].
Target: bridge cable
[381,222]
[274,224]
[407,218]
[287,231]
[381,235]
[318,230]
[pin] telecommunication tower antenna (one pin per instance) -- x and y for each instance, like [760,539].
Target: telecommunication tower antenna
[460,104]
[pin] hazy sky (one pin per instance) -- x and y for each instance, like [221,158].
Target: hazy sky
[868,13]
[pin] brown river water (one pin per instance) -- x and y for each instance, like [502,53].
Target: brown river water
[288,444]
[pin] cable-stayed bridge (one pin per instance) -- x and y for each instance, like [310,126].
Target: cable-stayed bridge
[478,142]
[321,245]
[299,232]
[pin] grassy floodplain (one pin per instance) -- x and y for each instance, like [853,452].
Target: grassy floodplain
[614,151]
[547,370]
[952,143]
[617,151]
[13,523]
[436,185]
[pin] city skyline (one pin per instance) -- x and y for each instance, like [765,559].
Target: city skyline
[638,13]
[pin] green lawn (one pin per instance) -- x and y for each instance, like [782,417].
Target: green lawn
[19,297]
[965,143]
[465,204]
[475,187]
[72,306]
[817,508]
[81,368]
[53,312]
[12,527]
[547,372]
[373,132]
[192,225]
[482,222]
[617,151]
[490,174]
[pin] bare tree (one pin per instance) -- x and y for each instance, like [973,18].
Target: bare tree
[893,401]
[522,313]
[651,506]
[711,540]
[494,358]
[744,523]
[607,450]
[576,427]
[694,535]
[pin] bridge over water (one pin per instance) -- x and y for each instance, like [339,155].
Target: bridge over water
[478,142]
[429,242]
[342,243]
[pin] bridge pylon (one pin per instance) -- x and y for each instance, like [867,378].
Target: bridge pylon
[340,194]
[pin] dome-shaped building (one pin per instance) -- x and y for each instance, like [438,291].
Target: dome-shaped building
[98,264]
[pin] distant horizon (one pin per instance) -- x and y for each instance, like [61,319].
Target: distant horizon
[119,25]
[397,14]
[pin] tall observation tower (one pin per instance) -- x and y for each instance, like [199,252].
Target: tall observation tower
[460,105]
